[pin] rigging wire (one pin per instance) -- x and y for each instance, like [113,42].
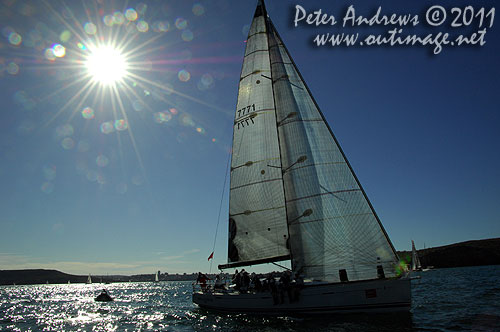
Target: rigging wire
[220,208]
[223,191]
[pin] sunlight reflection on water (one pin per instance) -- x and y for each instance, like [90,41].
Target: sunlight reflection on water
[167,306]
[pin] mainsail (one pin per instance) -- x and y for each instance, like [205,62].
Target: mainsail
[257,217]
[293,193]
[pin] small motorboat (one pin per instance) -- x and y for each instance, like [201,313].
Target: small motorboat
[104,297]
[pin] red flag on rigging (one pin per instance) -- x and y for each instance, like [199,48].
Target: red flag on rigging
[211,256]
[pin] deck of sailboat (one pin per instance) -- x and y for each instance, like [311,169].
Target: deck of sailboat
[377,296]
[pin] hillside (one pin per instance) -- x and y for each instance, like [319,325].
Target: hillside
[469,253]
[37,276]
[40,276]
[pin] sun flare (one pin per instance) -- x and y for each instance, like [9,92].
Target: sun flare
[106,65]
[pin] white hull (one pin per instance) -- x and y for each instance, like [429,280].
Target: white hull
[387,295]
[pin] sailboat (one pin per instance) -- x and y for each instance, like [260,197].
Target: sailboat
[294,197]
[157,277]
[89,279]
[415,261]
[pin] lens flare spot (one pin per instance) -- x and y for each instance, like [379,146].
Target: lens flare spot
[12,68]
[49,172]
[67,13]
[184,75]
[118,18]
[206,82]
[65,130]
[161,26]
[207,79]
[21,97]
[198,9]
[187,35]
[101,179]
[102,160]
[108,20]
[88,113]
[65,36]
[186,120]
[81,46]
[121,125]
[15,38]
[138,105]
[49,54]
[161,117]
[214,140]
[107,127]
[142,26]
[47,187]
[181,23]
[131,14]
[90,28]
[174,111]
[59,50]
[200,130]
[92,175]
[68,143]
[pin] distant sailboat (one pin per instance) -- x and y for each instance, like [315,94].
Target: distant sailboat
[157,277]
[415,261]
[89,279]
[294,196]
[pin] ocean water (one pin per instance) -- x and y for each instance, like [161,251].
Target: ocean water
[458,299]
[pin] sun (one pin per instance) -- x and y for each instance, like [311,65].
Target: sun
[106,65]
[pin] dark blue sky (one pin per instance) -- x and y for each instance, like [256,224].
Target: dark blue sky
[93,195]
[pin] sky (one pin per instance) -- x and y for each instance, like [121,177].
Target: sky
[130,178]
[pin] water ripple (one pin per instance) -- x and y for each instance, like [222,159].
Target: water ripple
[443,300]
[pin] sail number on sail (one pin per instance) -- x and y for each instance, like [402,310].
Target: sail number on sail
[244,118]
[246,110]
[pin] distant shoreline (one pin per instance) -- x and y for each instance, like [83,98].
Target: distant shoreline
[469,253]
